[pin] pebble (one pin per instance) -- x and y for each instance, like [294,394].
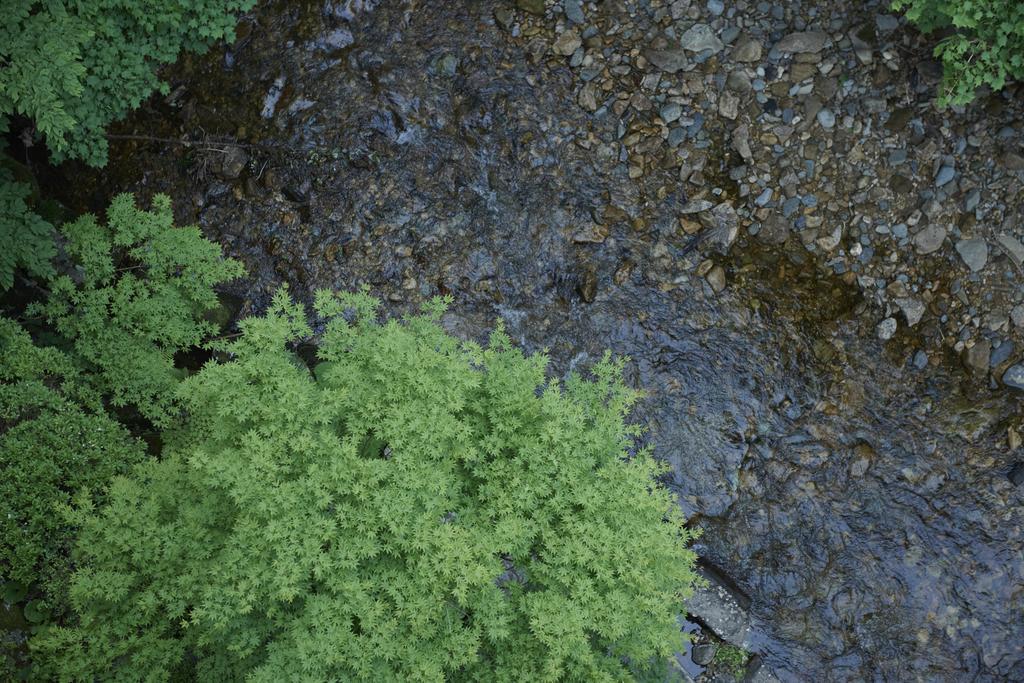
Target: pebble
[567,43]
[930,239]
[886,329]
[728,105]
[700,37]
[669,61]
[574,11]
[1014,376]
[972,200]
[913,309]
[716,7]
[945,175]
[1001,354]
[764,197]
[670,112]
[703,654]
[716,279]
[826,118]
[338,39]
[747,50]
[807,41]
[886,22]
[976,358]
[974,252]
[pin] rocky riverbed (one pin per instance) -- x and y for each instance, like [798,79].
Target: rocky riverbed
[814,272]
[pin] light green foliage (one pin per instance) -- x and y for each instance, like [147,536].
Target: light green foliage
[418,509]
[51,444]
[144,287]
[73,67]
[987,47]
[731,659]
[26,240]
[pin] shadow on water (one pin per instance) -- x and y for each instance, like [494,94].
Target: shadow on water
[860,503]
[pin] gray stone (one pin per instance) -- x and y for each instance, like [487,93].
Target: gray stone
[806,41]
[831,240]
[974,252]
[725,223]
[826,118]
[747,50]
[1013,161]
[728,105]
[764,197]
[886,22]
[504,17]
[574,11]
[972,200]
[913,309]
[720,610]
[703,654]
[775,230]
[920,359]
[716,7]
[976,358]
[700,37]
[886,329]
[1014,376]
[338,38]
[671,112]
[945,175]
[1013,248]
[567,43]
[1017,315]
[696,206]
[930,239]
[739,81]
[669,61]
[741,141]
[233,162]
[1015,475]
[716,279]
[1001,353]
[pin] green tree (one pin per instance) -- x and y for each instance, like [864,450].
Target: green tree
[142,288]
[417,509]
[986,46]
[73,67]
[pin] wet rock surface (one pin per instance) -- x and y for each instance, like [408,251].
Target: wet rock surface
[787,282]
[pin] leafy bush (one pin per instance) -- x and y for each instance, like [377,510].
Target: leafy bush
[144,286]
[73,67]
[26,240]
[53,441]
[987,47]
[417,509]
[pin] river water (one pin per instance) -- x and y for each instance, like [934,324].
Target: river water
[860,503]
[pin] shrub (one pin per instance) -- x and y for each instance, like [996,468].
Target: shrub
[987,47]
[26,239]
[73,67]
[53,441]
[416,509]
[140,287]
[143,287]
